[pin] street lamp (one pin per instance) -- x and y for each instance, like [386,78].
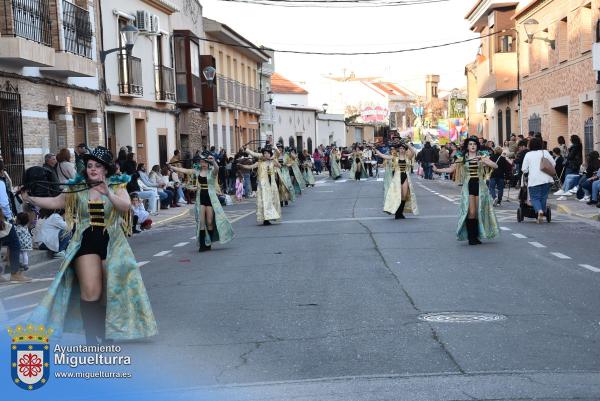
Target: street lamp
[131,33]
[531,27]
[209,74]
[325,106]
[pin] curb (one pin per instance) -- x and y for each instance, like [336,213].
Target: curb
[566,210]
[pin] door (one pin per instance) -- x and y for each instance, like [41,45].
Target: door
[80,123]
[588,135]
[140,142]
[299,143]
[162,149]
[11,133]
[53,137]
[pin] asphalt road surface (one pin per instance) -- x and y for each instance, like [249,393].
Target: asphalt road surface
[342,302]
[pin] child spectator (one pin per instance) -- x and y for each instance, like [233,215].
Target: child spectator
[140,215]
[239,186]
[25,239]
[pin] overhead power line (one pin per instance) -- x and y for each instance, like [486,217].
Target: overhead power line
[358,53]
[335,3]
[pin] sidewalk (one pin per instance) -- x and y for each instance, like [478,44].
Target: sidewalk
[163,217]
[571,206]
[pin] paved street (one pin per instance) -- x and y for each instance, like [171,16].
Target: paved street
[329,304]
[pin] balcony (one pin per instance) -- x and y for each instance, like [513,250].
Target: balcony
[130,76]
[26,33]
[501,80]
[164,82]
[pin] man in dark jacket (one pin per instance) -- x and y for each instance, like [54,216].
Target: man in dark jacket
[499,175]
[427,156]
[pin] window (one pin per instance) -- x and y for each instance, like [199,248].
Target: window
[187,69]
[195,58]
[586,24]
[508,126]
[500,130]
[563,40]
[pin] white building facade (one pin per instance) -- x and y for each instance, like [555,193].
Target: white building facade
[331,129]
[296,127]
[140,109]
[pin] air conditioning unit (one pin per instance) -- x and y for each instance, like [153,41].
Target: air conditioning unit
[142,20]
[154,23]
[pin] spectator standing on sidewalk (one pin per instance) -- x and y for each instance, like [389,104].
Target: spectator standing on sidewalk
[562,145]
[9,238]
[317,160]
[81,150]
[64,168]
[498,175]
[427,157]
[25,239]
[560,164]
[538,182]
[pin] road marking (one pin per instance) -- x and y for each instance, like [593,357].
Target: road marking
[20,308]
[323,192]
[242,216]
[505,229]
[379,179]
[560,255]
[340,180]
[537,244]
[447,198]
[162,253]
[591,268]
[145,262]
[24,294]
[391,218]
[194,237]
[179,245]
[519,235]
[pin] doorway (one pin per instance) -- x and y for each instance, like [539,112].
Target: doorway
[140,141]
[80,125]
[162,150]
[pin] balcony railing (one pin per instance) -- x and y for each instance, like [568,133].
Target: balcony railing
[130,75]
[28,19]
[235,93]
[165,83]
[77,29]
[221,88]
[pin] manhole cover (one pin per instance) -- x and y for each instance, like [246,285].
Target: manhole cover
[461,317]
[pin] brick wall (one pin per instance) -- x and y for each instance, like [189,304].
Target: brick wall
[36,98]
[557,89]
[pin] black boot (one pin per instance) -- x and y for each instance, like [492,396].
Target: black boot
[281,203]
[266,223]
[285,203]
[210,236]
[93,314]
[473,231]
[201,240]
[400,211]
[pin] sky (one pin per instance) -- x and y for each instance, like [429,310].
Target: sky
[358,29]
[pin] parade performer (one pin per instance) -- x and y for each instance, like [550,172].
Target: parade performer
[307,173]
[292,162]
[98,212]
[477,218]
[209,213]
[284,181]
[334,162]
[358,171]
[398,191]
[268,207]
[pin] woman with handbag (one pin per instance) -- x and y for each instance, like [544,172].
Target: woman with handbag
[539,165]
